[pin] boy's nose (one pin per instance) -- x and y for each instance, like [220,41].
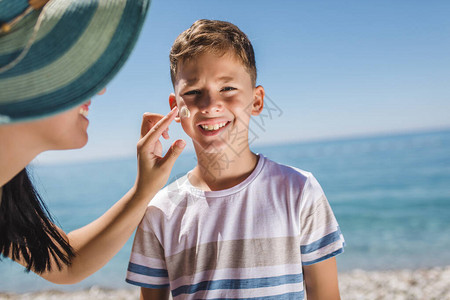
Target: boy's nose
[211,104]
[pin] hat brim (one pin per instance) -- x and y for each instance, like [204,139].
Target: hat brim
[79,48]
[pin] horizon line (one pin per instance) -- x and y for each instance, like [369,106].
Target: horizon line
[342,138]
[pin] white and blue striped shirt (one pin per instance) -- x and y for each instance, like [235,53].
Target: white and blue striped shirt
[246,242]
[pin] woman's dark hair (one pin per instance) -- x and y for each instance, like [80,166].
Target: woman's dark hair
[27,230]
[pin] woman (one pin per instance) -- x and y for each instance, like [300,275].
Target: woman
[53,56]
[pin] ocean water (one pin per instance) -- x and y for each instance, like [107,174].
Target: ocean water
[390,194]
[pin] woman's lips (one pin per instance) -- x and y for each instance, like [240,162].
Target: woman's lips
[84,109]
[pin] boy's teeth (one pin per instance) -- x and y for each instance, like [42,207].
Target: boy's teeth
[213,127]
[84,112]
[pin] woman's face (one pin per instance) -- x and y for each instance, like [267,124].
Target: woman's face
[66,130]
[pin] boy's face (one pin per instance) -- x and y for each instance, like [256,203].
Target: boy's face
[220,96]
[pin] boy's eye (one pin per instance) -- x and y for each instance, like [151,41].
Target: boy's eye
[193,92]
[227,88]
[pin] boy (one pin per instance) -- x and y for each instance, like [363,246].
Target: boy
[238,225]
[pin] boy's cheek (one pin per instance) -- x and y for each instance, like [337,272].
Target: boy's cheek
[188,127]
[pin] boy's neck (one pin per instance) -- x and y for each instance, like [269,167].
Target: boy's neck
[219,171]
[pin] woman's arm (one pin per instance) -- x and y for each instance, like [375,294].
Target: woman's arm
[96,243]
[321,280]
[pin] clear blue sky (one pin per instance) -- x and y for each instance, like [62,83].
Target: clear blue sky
[333,68]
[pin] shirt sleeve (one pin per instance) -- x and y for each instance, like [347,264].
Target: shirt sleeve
[147,267]
[321,237]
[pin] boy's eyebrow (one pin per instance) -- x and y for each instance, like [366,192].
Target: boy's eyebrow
[226,78]
[193,80]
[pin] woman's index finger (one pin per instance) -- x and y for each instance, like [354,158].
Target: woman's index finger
[157,130]
[148,121]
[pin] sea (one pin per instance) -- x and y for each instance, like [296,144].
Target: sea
[390,195]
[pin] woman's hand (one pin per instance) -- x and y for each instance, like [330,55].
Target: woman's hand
[153,169]
[96,243]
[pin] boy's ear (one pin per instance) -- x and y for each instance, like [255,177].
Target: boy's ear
[258,100]
[173,103]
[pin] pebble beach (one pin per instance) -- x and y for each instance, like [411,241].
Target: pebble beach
[430,284]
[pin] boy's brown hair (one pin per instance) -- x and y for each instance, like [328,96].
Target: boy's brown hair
[212,36]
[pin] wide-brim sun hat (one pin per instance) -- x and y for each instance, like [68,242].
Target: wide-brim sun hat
[56,54]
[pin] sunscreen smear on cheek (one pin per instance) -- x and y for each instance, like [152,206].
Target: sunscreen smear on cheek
[184,112]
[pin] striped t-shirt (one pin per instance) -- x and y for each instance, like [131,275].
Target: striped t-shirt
[248,241]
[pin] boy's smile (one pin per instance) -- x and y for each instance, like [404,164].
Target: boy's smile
[220,96]
[212,127]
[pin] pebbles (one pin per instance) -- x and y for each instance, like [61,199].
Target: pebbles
[429,284]
[92,293]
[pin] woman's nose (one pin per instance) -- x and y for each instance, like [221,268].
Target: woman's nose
[102,92]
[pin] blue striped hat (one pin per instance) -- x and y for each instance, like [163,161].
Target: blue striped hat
[56,54]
